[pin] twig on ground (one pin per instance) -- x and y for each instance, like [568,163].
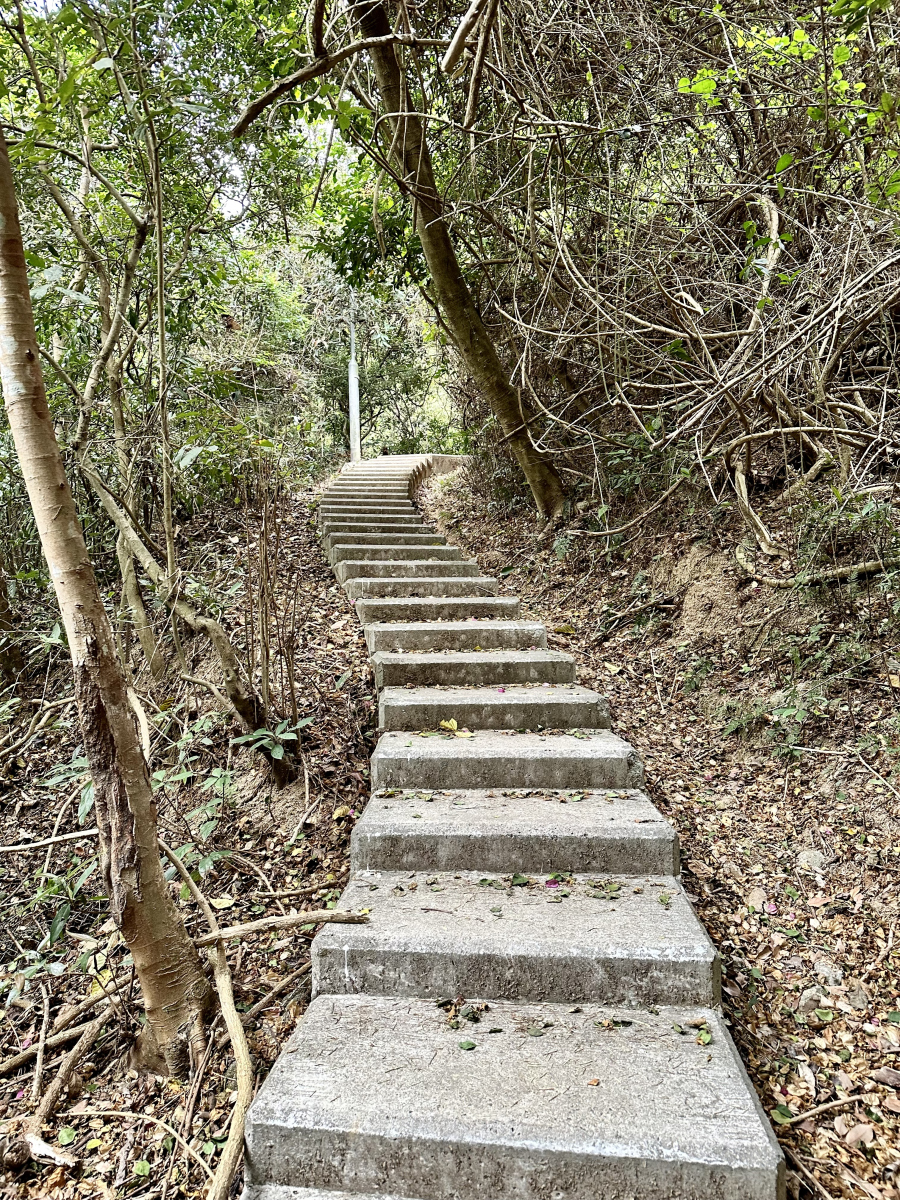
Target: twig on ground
[67,1035]
[314,917]
[807,1174]
[63,837]
[136,1116]
[65,1018]
[830,575]
[30,1144]
[37,723]
[260,876]
[309,808]
[42,1046]
[820,1108]
[220,1186]
[281,986]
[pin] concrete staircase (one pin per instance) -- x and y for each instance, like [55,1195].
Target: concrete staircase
[532,1011]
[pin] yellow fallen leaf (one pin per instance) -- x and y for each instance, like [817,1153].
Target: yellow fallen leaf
[451,725]
[222,902]
[613,668]
[464,733]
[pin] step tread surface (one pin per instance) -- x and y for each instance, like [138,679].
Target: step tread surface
[495,758]
[537,829]
[512,706]
[382,610]
[469,934]
[431,636]
[375,1094]
[421,586]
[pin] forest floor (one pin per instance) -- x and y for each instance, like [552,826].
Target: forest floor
[248,850]
[792,855]
[769,729]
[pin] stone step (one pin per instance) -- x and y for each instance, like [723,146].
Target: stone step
[436,608]
[410,541]
[518,830]
[475,667]
[366,495]
[365,512]
[494,759]
[364,503]
[372,484]
[394,553]
[421,567]
[515,706]
[484,634]
[474,935]
[358,589]
[386,525]
[375,1095]
[276,1191]
[354,491]
[417,568]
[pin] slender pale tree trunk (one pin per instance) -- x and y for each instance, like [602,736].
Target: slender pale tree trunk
[475,345]
[11,662]
[176,992]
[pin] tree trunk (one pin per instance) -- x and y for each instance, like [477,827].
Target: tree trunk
[176,992]
[11,662]
[473,341]
[131,594]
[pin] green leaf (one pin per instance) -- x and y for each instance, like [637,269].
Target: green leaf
[467,1045]
[141,1167]
[783,163]
[67,1135]
[894,1018]
[67,87]
[841,54]
[519,880]
[781,1114]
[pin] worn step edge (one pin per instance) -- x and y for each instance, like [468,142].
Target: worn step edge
[470,934]
[421,587]
[492,759]
[380,610]
[508,830]
[513,706]
[484,667]
[376,1095]
[423,636]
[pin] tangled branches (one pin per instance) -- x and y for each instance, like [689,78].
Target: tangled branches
[682,224]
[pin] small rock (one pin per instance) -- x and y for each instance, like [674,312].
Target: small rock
[828,973]
[732,870]
[811,998]
[811,860]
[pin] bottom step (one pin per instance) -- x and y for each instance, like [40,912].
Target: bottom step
[380,1095]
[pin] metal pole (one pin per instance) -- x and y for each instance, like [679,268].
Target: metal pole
[353,389]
